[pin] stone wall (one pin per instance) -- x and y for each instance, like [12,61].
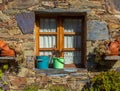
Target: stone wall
[103,14]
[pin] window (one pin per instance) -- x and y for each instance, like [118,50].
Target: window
[63,33]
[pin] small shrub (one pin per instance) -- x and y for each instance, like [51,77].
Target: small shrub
[57,88]
[105,81]
[32,88]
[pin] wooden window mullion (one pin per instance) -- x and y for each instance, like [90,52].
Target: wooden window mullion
[37,28]
[58,38]
[61,37]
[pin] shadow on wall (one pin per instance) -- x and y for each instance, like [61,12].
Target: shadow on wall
[96,59]
[102,65]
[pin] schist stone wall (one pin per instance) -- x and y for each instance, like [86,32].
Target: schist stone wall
[103,20]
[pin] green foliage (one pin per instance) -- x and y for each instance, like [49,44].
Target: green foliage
[57,88]
[3,81]
[105,81]
[5,67]
[99,52]
[1,89]
[1,73]
[32,88]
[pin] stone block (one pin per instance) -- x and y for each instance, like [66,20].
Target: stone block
[28,45]
[23,72]
[1,1]
[22,4]
[48,3]
[97,30]
[38,80]
[17,81]
[89,44]
[4,17]
[113,26]
[44,79]
[29,53]
[30,80]
[14,31]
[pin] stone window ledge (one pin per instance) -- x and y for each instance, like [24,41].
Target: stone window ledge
[6,59]
[112,57]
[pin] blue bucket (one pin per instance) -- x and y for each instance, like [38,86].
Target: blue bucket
[43,62]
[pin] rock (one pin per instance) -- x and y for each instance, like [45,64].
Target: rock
[63,5]
[44,79]
[113,26]
[23,72]
[110,18]
[17,81]
[118,16]
[28,45]
[89,44]
[22,4]
[29,53]
[14,31]
[4,17]
[11,11]
[2,6]
[97,30]
[110,6]
[75,3]
[116,4]
[91,4]
[30,80]
[48,4]
[1,1]
[38,79]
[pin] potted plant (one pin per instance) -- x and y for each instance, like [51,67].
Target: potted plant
[99,54]
[114,46]
[58,62]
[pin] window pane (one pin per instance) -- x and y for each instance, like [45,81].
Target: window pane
[72,25]
[72,41]
[47,53]
[72,57]
[47,41]
[47,25]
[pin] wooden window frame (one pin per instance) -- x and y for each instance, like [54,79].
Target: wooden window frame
[60,37]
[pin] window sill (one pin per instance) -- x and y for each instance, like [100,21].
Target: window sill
[6,59]
[112,57]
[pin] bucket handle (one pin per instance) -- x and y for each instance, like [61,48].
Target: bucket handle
[60,61]
[39,60]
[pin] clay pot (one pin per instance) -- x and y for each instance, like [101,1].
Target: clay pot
[5,50]
[114,47]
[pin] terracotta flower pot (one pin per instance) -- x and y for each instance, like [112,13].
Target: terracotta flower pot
[114,48]
[5,50]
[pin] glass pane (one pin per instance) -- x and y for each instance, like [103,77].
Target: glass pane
[72,57]
[72,25]
[47,53]
[72,41]
[47,41]
[48,25]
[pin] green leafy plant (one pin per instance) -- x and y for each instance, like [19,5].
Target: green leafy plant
[32,88]
[99,56]
[99,52]
[3,80]
[57,88]
[105,81]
